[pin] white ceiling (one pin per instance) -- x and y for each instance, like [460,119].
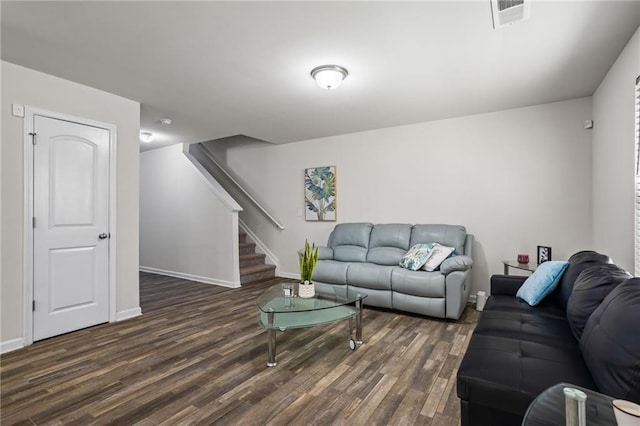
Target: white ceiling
[225,68]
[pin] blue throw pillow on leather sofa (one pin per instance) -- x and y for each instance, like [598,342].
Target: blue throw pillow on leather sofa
[610,343]
[542,282]
[589,290]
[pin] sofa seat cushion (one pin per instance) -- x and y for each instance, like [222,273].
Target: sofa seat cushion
[369,275]
[610,342]
[418,283]
[388,243]
[331,271]
[504,303]
[507,374]
[527,327]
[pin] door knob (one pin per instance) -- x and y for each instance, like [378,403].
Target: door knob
[102,236]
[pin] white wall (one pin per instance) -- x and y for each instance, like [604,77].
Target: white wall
[24,86]
[185,230]
[516,179]
[613,157]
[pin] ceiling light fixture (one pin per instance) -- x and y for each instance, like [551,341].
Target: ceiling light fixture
[146,137]
[166,121]
[329,76]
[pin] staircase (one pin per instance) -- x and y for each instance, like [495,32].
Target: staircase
[252,266]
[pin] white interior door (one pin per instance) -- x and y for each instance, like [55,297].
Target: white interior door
[71,226]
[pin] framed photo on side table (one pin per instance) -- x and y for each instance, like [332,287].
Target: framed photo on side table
[544,254]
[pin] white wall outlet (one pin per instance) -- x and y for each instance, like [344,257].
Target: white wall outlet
[17,110]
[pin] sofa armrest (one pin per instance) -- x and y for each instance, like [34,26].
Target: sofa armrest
[456,263]
[506,285]
[468,245]
[325,253]
[457,287]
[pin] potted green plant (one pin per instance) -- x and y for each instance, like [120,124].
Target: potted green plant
[308,262]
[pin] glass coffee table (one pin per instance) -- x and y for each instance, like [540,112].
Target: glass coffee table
[548,409]
[280,312]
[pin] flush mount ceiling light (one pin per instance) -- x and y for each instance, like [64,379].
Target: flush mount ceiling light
[329,76]
[166,121]
[146,137]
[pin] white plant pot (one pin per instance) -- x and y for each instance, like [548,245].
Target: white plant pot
[306,290]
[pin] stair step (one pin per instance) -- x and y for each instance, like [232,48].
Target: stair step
[256,268]
[242,237]
[251,259]
[247,248]
[256,273]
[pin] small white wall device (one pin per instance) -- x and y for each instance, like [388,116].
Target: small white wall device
[507,12]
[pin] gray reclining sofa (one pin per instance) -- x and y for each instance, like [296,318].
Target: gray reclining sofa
[364,258]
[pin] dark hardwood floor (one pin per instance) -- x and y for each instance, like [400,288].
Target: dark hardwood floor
[198,356]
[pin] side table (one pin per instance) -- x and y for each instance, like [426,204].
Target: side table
[522,266]
[548,409]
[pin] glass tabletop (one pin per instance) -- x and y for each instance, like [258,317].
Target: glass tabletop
[531,267]
[548,409]
[274,300]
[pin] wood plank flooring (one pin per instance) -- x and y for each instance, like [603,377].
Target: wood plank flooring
[198,356]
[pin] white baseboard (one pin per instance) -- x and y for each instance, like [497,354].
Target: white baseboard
[472,298]
[128,313]
[205,280]
[11,345]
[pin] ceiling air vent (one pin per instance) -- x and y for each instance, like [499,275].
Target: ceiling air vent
[506,12]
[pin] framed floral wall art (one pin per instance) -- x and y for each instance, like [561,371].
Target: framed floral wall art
[320,193]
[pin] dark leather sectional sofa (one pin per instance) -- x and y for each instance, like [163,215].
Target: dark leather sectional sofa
[517,351]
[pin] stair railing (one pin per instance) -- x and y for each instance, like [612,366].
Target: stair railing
[255,202]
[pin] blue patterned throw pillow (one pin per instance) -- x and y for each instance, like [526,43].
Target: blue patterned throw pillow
[542,282]
[416,256]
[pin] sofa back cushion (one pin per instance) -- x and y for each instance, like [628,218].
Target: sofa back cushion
[577,263]
[388,243]
[610,343]
[589,290]
[447,235]
[350,242]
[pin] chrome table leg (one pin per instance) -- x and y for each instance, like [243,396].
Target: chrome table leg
[359,321]
[272,341]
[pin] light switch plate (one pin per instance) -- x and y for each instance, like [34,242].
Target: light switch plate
[17,110]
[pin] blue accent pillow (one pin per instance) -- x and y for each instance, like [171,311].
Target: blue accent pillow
[542,281]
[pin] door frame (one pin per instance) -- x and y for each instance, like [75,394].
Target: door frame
[28,250]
